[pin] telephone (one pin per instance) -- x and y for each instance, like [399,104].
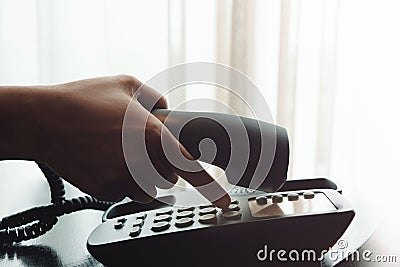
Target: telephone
[304,215]
[266,210]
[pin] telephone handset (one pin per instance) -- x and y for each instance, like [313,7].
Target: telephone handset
[253,153]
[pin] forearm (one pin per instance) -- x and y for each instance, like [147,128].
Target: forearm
[19,122]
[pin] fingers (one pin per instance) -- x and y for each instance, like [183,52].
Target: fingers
[155,151]
[206,185]
[199,178]
[150,99]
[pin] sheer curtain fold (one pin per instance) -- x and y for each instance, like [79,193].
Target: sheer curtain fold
[298,79]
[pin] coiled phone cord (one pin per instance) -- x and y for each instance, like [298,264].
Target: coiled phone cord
[37,221]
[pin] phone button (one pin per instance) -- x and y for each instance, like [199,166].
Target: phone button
[163,217]
[277,198]
[121,220]
[232,207]
[293,197]
[232,215]
[209,210]
[164,211]
[208,219]
[184,214]
[118,225]
[184,222]
[185,209]
[206,206]
[235,201]
[160,226]
[135,231]
[261,200]
[142,216]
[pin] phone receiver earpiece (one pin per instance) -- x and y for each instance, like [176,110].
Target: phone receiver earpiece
[253,153]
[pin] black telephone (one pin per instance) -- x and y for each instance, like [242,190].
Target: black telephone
[304,215]
[266,210]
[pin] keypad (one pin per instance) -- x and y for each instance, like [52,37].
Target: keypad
[192,217]
[184,217]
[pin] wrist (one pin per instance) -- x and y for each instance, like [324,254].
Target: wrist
[21,110]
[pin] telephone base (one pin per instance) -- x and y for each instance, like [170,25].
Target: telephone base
[300,220]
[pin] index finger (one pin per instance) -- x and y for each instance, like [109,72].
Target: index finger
[201,180]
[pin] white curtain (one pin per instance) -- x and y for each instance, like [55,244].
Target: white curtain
[329,69]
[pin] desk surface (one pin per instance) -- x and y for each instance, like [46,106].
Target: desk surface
[65,244]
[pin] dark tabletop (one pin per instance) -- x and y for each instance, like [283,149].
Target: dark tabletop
[65,244]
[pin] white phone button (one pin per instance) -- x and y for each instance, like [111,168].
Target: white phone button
[233,207]
[209,210]
[160,226]
[208,219]
[164,217]
[118,225]
[234,201]
[164,211]
[135,231]
[185,209]
[184,222]
[184,214]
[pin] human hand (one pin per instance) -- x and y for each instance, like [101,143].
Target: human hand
[80,137]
